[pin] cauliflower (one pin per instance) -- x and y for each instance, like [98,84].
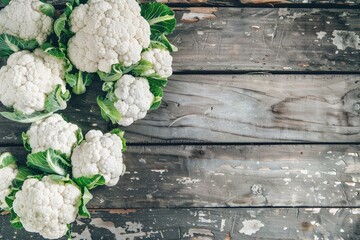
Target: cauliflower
[99,154]
[46,206]
[28,78]
[161,61]
[53,132]
[8,172]
[107,32]
[24,19]
[133,98]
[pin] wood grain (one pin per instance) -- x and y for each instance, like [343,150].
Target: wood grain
[253,39]
[210,223]
[234,176]
[234,108]
[234,2]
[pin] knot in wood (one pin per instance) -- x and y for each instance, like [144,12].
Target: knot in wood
[351,101]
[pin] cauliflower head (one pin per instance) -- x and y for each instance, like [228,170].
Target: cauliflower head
[46,206]
[28,78]
[107,32]
[161,61]
[53,132]
[99,154]
[133,98]
[8,173]
[23,19]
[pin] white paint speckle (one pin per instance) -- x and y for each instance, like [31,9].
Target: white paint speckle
[187,180]
[345,39]
[353,154]
[321,34]
[251,226]
[342,230]
[313,210]
[222,226]
[161,171]
[355,211]
[333,211]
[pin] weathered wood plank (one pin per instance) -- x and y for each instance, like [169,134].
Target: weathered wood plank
[234,176]
[253,39]
[267,39]
[206,224]
[233,2]
[234,108]
[254,108]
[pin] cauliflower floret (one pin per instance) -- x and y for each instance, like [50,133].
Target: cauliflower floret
[7,175]
[23,19]
[107,32]
[133,98]
[28,78]
[53,132]
[46,207]
[161,60]
[99,154]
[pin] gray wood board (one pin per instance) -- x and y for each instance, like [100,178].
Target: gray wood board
[229,3]
[207,224]
[257,39]
[233,176]
[266,39]
[233,108]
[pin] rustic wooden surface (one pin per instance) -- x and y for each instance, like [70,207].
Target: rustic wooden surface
[235,108]
[234,176]
[258,39]
[231,3]
[211,224]
[229,144]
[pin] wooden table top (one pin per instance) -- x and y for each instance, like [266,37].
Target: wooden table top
[257,137]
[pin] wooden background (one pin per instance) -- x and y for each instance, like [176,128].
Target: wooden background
[257,137]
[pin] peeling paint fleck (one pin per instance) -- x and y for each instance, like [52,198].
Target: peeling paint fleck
[251,226]
[187,180]
[198,13]
[321,34]
[345,39]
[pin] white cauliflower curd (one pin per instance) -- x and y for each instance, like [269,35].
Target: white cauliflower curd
[8,171]
[161,61]
[46,206]
[53,132]
[107,32]
[99,154]
[28,78]
[24,19]
[133,98]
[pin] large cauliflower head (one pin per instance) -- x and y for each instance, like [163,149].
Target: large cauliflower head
[134,98]
[23,19]
[99,154]
[107,32]
[46,207]
[53,132]
[161,61]
[28,78]
[7,175]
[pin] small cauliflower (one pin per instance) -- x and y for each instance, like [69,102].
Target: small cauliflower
[46,206]
[53,132]
[134,98]
[161,61]
[24,19]
[107,32]
[99,154]
[8,172]
[27,80]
